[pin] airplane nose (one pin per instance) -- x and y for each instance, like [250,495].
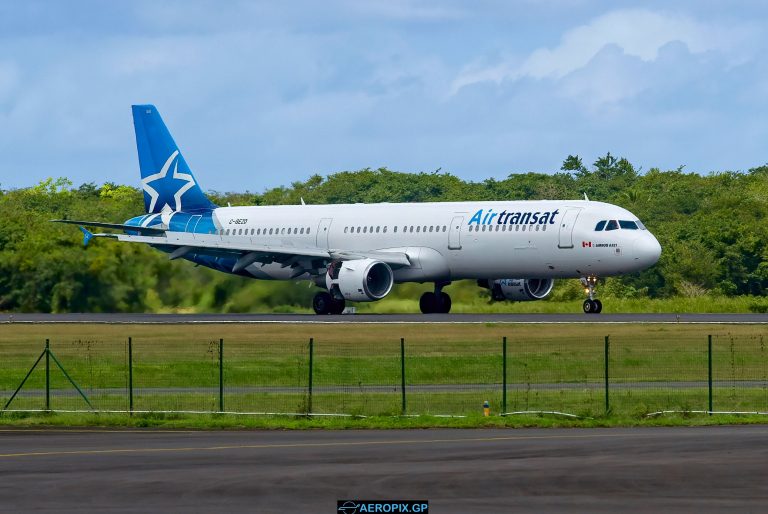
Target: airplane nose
[647,250]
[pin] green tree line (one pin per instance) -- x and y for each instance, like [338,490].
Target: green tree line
[711,227]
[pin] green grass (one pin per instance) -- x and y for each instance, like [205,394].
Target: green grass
[225,422]
[550,367]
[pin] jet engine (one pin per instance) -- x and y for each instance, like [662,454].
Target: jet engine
[518,289]
[363,280]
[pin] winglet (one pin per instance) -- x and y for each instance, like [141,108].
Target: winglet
[87,235]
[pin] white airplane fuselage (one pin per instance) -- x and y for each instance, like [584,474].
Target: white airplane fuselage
[450,241]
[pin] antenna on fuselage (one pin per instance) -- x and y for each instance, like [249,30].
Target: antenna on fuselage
[302,200]
[585,196]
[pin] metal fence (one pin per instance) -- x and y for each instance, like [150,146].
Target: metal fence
[594,377]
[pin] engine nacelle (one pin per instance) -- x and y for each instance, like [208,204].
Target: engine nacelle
[519,289]
[363,280]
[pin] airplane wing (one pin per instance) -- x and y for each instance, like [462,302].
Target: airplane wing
[182,243]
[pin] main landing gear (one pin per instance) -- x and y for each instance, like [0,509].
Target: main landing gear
[591,305]
[325,303]
[437,302]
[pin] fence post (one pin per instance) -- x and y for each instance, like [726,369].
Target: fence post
[221,375]
[47,375]
[402,372]
[130,376]
[709,359]
[607,396]
[311,357]
[504,376]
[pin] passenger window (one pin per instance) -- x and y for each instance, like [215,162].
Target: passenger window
[302,230]
[270,232]
[418,229]
[365,230]
[385,229]
[628,225]
[612,225]
[430,228]
[524,228]
[345,229]
[307,230]
[537,228]
[394,229]
[600,225]
[377,229]
[543,228]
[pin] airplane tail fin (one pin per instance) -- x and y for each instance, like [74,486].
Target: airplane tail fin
[165,176]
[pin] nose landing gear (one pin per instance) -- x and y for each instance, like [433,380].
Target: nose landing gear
[591,304]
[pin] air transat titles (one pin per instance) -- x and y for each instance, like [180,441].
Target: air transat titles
[482,217]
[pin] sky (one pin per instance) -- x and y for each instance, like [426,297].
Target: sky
[262,94]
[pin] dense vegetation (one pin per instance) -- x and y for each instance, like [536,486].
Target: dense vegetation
[712,229]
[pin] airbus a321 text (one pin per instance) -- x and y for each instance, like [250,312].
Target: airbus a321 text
[355,253]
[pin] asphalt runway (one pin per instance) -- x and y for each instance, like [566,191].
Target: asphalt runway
[703,469]
[384,318]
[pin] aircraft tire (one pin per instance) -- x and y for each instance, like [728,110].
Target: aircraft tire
[589,306]
[322,303]
[428,303]
[337,306]
[445,303]
[598,306]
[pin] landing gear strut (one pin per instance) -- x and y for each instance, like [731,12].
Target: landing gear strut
[437,302]
[591,305]
[325,303]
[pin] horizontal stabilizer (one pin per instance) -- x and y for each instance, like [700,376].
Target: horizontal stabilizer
[87,235]
[145,231]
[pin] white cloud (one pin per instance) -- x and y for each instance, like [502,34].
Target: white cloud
[638,33]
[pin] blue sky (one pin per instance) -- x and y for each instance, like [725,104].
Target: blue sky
[260,94]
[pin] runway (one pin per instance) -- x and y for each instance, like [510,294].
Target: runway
[702,469]
[385,318]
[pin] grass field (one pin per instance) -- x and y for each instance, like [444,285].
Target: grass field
[449,369]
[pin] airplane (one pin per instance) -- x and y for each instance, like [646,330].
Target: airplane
[356,252]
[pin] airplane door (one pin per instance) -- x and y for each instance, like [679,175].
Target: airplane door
[566,228]
[322,232]
[454,235]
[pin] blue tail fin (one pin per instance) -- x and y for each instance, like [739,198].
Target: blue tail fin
[165,177]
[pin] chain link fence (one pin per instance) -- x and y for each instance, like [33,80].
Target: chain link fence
[586,377]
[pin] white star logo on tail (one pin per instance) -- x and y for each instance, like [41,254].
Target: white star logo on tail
[153,194]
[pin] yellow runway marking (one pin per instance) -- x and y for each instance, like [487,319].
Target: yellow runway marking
[310,445]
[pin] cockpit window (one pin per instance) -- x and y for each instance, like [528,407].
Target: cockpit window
[612,225]
[628,225]
[600,225]
[640,224]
